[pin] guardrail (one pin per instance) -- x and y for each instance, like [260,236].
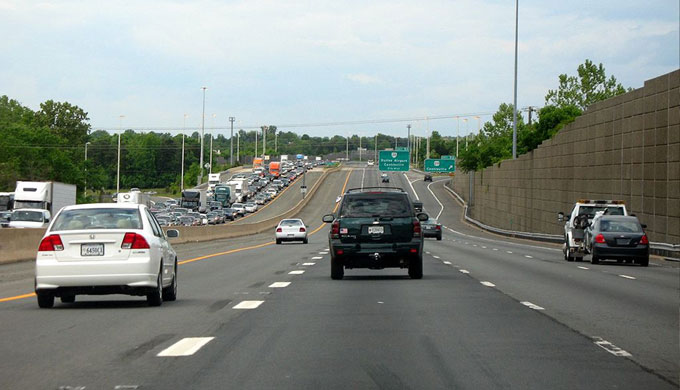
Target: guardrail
[670,251]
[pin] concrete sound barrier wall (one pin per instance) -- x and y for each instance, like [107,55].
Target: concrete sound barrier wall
[626,147]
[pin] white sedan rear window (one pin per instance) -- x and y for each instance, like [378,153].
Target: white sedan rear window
[87,219]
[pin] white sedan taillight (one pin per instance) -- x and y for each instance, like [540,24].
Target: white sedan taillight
[51,243]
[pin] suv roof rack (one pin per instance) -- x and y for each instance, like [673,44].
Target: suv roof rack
[373,189]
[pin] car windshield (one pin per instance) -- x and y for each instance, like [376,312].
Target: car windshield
[368,205]
[620,226]
[99,218]
[27,216]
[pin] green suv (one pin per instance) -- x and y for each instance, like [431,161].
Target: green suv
[376,228]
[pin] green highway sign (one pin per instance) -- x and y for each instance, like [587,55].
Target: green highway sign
[402,148]
[440,165]
[447,157]
[393,160]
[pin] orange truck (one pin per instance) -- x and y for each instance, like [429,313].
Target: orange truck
[275,168]
[257,162]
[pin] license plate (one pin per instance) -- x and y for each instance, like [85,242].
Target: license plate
[622,241]
[291,235]
[92,250]
[376,229]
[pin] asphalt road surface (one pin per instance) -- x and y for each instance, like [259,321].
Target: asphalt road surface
[490,312]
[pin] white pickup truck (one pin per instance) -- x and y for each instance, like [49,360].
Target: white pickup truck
[580,218]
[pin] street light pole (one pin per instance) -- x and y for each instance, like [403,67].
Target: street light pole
[466,132]
[184,126]
[120,129]
[211,142]
[85,190]
[238,147]
[375,144]
[408,143]
[264,140]
[200,176]
[457,136]
[514,107]
[231,142]
[347,150]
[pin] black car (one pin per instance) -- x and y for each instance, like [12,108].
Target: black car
[376,228]
[428,177]
[385,178]
[432,228]
[230,214]
[618,237]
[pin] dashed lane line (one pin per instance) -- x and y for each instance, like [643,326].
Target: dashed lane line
[186,347]
[317,258]
[248,305]
[582,267]
[279,284]
[611,348]
[447,262]
[628,277]
[296,272]
[463,271]
[436,257]
[488,284]
[528,257]
[308,264]
[532,306]
[510,252]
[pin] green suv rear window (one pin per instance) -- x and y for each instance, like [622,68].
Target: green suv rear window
[374,205]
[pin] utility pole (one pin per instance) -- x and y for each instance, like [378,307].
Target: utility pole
[184,126]
[375,144]
[514,105]
[238,147]
[530,109]
[427,154]
[359,148]
[458,135]
[120,130]
[408,143]
[200,176]
[211,142]
[276,143]
[264,140]
[231,142]
[347,150]
[255,155]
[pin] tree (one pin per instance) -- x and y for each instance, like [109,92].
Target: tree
[591,85]
[64,119]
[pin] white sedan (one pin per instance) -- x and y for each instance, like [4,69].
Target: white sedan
[99,249]
[251,207]
[291,230]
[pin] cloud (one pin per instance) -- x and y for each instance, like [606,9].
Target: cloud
[363,78]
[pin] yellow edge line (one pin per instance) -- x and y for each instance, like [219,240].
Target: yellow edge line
[207,256]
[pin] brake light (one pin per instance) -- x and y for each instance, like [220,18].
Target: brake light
[51,243]
[335,229]
[134,241]
[438,227]
[302,230]
[417,232]
[414,250]
[339,252]
[644,240]
[599,239]
[279,230]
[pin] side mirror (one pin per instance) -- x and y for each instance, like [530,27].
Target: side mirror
[644,226]
[172,233]
[560,216]
[418,206]
[328,218]
[422,217]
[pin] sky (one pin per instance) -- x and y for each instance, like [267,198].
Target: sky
[300,63]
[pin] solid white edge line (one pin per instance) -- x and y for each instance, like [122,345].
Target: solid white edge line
[362,178]
[488,284]
[532,306]
[185,347]
[248,305]
[412,189]
[279,284]
[296,272]
[437,199]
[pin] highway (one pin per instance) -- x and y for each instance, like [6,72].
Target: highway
[490,312]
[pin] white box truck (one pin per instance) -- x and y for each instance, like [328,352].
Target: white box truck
[213,179]
[135,197]
[241,189]
[35,202]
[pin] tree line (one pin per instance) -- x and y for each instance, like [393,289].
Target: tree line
[51,143]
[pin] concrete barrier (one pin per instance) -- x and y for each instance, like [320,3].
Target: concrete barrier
[22,244]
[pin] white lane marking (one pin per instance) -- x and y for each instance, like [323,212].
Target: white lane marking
[317,258]
[474,245]
[505,242]
[532,306]
[508,252]
[362,178]
[495,249]
[436,257]
[413,189]
[447,262]
[611,348]
[528,257]
[323,253]
[308,264]
[186,347]
[463,271]
[488,284]
[467,243]
[627,277]
[582,267]
[279,284]
[298,272]
[380,302]
[125,387]
[427,252]
[248,305]
[483,247]
[441,210]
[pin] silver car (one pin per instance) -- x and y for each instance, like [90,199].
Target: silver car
[291,230]
[105,249]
